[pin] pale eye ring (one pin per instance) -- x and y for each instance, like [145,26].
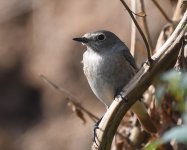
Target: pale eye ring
[101,37]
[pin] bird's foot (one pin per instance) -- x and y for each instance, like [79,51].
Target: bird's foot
[96,126]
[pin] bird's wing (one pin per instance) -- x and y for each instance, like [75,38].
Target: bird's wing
[130,58]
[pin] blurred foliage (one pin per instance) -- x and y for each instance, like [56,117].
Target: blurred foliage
[172,83]
[152,146]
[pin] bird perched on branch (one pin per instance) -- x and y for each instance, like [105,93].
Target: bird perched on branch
[109,66]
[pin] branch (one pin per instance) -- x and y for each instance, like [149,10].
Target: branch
[133,30]
[145,27]
[138,6]
[162,11]
[179,10]
[140,30]
[169,28]
[70,98]
[164,59]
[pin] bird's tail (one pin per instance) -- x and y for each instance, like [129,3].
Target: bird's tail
[139,109]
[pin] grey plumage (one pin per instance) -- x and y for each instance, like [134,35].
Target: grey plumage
[108,66]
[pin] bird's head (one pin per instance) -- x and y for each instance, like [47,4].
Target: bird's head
[100,41]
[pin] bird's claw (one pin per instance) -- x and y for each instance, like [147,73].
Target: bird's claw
[95,138]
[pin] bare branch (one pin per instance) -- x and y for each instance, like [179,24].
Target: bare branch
[133,30]
[169,28]
[164,59]
[145,27]
[162,11]
[140,30]
[70,98]
[179,11]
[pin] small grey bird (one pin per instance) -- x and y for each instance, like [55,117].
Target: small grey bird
[109,66]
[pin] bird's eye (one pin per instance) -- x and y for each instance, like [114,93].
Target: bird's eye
[101,37]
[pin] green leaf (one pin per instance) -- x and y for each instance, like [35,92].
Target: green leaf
[153,145]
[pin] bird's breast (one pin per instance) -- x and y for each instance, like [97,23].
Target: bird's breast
[106,74]
[95,69]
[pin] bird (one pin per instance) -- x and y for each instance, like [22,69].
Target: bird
[108,66]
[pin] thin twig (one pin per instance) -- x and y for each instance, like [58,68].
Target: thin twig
[162,11]
[133,30]
[145,26]
[70,97]
[140,30]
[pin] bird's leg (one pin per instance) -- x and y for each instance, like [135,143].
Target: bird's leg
[96,126]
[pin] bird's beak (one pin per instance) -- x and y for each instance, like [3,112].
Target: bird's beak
[81,39]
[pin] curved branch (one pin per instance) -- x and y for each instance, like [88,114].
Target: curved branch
[164,59]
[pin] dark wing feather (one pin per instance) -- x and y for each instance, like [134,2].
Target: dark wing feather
[130,58]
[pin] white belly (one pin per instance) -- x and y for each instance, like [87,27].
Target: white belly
[96,79]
